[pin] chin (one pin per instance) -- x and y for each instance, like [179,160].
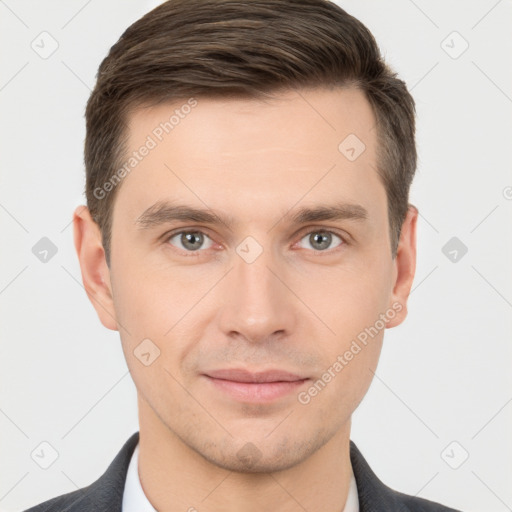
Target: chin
[260,457]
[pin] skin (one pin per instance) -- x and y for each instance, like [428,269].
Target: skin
[296,307]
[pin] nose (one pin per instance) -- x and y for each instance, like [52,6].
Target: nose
[258,305]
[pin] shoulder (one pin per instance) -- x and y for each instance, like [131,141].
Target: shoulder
[81,499]
[103,495]
[407,503]
[375,496]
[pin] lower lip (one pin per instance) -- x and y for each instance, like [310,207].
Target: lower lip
[257,391]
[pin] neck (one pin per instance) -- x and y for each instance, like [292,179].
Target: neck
[176,478]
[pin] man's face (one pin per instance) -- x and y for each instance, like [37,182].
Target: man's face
[260,296]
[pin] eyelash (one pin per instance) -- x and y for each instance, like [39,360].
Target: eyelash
[167,237]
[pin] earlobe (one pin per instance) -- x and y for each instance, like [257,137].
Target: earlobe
[93,266]
[405,267]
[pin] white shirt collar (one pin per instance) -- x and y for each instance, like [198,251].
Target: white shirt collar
[352,503]
[134,499]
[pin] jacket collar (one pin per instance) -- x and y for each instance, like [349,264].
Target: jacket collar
[374,496]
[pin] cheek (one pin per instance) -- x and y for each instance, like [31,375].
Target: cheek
[347,375]
[352,300]
[352,307]
[158,314]
[152,298]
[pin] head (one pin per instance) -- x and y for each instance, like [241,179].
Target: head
[280,121]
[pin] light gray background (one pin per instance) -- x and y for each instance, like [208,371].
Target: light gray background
[444,375]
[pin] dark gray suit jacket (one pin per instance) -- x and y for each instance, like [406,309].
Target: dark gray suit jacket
[106,493]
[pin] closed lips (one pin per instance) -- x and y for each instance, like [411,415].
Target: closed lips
[240,375]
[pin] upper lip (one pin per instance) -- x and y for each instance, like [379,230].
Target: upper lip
[241,375]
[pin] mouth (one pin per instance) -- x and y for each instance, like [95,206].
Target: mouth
[258,387]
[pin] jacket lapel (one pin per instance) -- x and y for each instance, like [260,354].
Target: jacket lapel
[106,493]
[373,495]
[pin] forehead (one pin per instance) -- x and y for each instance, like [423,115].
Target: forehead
[230,153]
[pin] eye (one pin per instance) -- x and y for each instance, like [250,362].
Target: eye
[189,241]
[192,241]
[320,240]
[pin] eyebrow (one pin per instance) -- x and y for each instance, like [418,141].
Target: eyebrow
[164,212]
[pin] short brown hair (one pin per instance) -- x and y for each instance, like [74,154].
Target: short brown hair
[221,48]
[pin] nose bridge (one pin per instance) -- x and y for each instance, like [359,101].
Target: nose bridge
[259,304]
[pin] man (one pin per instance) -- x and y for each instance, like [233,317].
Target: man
[248,233]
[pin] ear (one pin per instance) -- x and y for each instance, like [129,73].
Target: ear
[95,272]
[405,267]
